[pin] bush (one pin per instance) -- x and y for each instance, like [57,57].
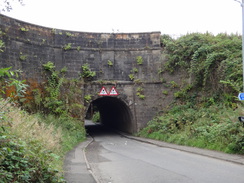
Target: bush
[205,112]
[19,164]
[96,117]
[32,147]
[216,127]
[212,62]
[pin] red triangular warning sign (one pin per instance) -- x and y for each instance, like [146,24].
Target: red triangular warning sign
[103,92]
[113,91]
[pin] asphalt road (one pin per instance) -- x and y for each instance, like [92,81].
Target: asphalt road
[116,159]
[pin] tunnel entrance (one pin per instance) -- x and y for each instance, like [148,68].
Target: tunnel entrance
[114,113]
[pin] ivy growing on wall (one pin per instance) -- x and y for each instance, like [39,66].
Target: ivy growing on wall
[87,73]
[55,79]
[139,60]
[110,63]
[67,46]
[2,44]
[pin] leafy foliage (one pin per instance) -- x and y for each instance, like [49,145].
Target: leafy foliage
[205,112]
[96,117]
[86,72]
[27,157]
[139,93]
[110,63]
[88,98]
[68,46]
[23,29]
[56,96]
[2,46]
[216,127]
[212,62]
[139,60]
[9,79]
[55,79]
[37,156]
[131,76]
[16,166]
[6,72]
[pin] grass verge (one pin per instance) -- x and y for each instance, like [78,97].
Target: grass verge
[216,128]
[32,147]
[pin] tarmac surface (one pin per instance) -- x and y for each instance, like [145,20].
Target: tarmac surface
[77,168]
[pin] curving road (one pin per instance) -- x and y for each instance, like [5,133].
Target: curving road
[115,159]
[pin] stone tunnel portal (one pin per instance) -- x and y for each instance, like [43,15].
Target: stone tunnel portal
[114,113]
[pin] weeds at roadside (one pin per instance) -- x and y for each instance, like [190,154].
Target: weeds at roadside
[211,128]
[32,148]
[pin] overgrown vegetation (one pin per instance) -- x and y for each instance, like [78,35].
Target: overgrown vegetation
[205,111]
[52,101]
[32,147]
[212,62]
[139,93]
[68,46]
[214,127]
[96,117]
[110,63]
[23,29]
[139,60]
[87,73]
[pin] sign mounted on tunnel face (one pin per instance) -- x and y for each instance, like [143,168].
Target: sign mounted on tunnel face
[113,91]
[103,92]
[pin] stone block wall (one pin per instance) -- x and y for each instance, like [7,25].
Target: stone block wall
[28,47]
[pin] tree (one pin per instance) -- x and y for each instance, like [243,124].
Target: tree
[6,5]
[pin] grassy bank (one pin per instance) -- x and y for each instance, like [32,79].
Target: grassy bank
[205,109]
[216,127]
[32,147]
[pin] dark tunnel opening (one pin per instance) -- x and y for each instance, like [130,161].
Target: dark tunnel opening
[114,113]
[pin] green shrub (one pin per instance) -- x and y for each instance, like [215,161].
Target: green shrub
[131,76]
[139,60]
[32,147]
[20,164]
[2,45]
[68,46]
[86,72]
[110,63]
[28,157]
[96,117]
[213,62]
[215,127]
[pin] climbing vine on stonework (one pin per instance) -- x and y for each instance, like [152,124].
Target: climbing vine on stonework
[87,73]
[139,60]
[140,93]
[2,44]
[55,80]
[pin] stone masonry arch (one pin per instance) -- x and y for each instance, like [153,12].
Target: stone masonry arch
[130,62]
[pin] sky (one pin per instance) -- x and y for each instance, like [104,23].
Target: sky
[173,17]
